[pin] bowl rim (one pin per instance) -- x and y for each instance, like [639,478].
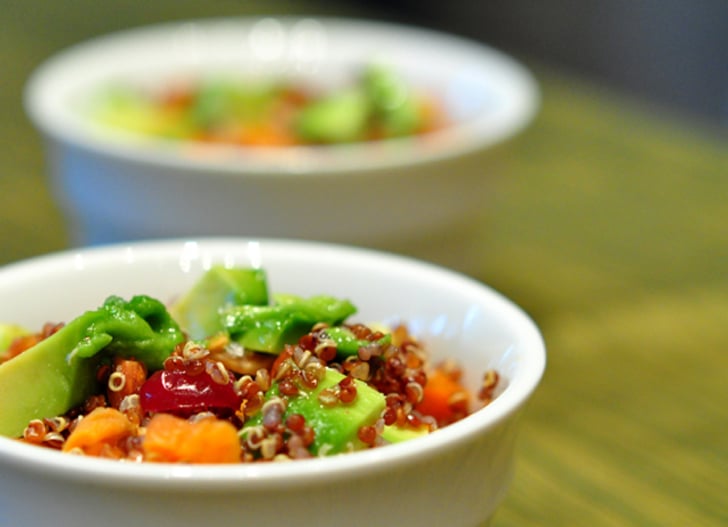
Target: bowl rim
[61,124]
[256,476]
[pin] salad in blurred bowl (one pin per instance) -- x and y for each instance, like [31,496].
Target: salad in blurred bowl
[328,129]
[375,105]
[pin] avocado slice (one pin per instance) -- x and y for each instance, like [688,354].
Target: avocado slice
[198,311]
[393,105]
[340,117]
[58,373]
[336,427]
[268,329]
[42,382]
[347,344]
[397,434]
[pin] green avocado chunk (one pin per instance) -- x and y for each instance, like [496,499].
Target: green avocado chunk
[336,427]
[269,328]
[338,118]
[222,100]
[58,373]
[198,311]
[397,434]
[393,105]
[348,344]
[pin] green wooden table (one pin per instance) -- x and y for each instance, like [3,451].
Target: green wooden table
[609,226]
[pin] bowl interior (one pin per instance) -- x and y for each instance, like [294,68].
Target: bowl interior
[487,95]
[456,316]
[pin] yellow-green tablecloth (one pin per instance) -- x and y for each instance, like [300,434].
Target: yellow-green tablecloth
[609,225]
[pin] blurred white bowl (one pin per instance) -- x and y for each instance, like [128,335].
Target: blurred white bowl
[116,186]
[456,476]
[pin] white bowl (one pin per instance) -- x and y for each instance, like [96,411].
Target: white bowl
[456,476]
[115,186]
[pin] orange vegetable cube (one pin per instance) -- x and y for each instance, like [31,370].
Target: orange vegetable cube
[172,439]
[100,433]
[444,398]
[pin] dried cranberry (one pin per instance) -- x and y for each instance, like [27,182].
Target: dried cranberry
[175,391]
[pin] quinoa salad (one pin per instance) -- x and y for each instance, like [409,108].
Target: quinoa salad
[228,373]
[229,109]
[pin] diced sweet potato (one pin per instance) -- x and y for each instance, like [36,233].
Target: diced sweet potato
[175,440]
[444,398]
[100,433]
